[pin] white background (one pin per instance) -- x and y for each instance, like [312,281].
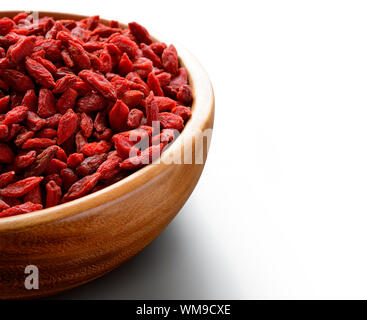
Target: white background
[281,208]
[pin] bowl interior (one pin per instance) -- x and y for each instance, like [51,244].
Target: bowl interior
[202,115]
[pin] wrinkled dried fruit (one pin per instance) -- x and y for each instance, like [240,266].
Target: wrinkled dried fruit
[53,194]
[67,126]
[118,116]
[6,178]
[46,103]
[21,187]
[21,209]
[39,73]
[16,115]
[82,187]
[99,83]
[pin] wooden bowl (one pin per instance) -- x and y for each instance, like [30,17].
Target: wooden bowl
[76,242]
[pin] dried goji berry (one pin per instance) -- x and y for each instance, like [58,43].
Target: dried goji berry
[183,112]
[79,55]
[47,64]
[4,102]
[170,60]
[170,121]
[20,188]
[165,104]
[184,95]
[106,61]
[164,78]
[36,143]
[67,58]
[82,187]
[132,98]
[39,73]
[55,166]
[39,166]
[126,45]
[61,155]
[55,177]
[68,178]
[30,100]
[21,49]
[139,83]
[180,78]
[125,65]
[64,83]
[86,125]
[121,86]
[46,103]
[53,121]
[18,81]
[75,159]
[67,126]
[146,157]
[16,115]
[150,54]
[165,137]
[134,118]
[90,164]
[22,137]
[5,26]
[100,122]
[34,122]
[53,194]
[20,16]
[46,133]
[6,178]
[82,87]
[118,116]
[110,168]
[151,109]
[21,209]
[140,33]
[158,47]
[125,147]
[80,141]
[67,100]
[99,83]
[142,66]
[106,134]
[34,195]
[91,102]
[25,160]
[13,131]
[154,84]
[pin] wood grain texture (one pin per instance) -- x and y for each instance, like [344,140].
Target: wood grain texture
[76,242]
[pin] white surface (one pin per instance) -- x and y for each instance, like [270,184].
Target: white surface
[281,210]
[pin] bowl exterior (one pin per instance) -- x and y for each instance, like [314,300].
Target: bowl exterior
[75,250]
[78,242]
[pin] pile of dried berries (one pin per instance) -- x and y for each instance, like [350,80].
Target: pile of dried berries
[79,101]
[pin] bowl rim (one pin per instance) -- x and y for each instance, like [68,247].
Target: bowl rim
[202,115]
